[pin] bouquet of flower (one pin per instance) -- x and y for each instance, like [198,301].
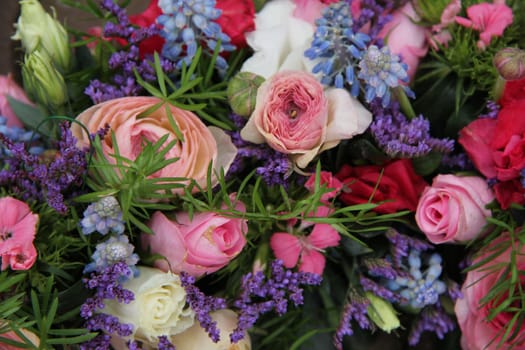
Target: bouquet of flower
[250,174]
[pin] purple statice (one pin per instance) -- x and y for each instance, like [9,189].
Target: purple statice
[492,110]
[115,249]
[188,23]
[276,166]
[378,289]
[107,284]
[381,70]
[355,309]
[459,161]
[103,216]
[164,343]
[374,14]
[261,294]
[53,177]
[336,48]
[202,305]
[380,268]
[126,61]
[400,137]
[402,244]
[454,290]
[434,320]
[16,134]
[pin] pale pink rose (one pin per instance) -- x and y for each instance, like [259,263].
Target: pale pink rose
[17,232]
[198,246]
[326,178]
[201,146]
[477,333]
[9,87]
[307,251]
[405,37]
[490,20]
[296,116]
[453,209]
[11,335]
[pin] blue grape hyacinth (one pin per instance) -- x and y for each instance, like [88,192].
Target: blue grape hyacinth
[103,216]
[337,48]
[188,23]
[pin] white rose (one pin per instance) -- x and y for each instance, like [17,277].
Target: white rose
[279,41]
[196,338]
[159,307]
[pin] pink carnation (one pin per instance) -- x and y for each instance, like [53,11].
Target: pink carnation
[489,19]
[17,232]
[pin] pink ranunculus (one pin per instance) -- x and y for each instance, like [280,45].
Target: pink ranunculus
[11,335]
[294,115]
[306,250]
[331,182]
[452,210]
[490,20]
[405,37]
[477,333]
[198,246]
[17,232]
[125,116]
[9,87]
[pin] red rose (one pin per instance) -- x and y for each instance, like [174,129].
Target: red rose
[399,186]
[237,18]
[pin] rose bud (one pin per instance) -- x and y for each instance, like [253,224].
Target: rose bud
[510,63]
[242,92]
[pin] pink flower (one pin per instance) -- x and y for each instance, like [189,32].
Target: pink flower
[17,232]
[405,37]
[439,32]
[200,245]
[453,209]
[8,87]
[11,335]
[326,178]
[201,146]
[310,10]
[294,115]
[307,250]
[478,333]
[489,19]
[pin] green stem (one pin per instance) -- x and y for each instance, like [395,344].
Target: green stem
[404,102]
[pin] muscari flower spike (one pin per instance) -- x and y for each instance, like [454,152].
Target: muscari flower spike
[382,70]
[337,48]
[103,216]
[186,23]
[115,249]
[420,288]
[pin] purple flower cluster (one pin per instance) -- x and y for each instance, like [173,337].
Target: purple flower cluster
[277,167]
[107,285]
[202,305]
[51,177]
[433,320]
[261,294]
[373,13]
[402,244]
[355,309]
[124,62]
[400,137]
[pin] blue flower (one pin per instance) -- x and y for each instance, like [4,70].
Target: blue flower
[115,249]
[337,48]
[188,23]
[382,70]
[103,216]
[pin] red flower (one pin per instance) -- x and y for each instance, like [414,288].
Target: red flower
[497,146]
[398,186]
[145,19]
[237,18]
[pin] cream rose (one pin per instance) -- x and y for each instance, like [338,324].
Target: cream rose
[125,116]
[196,338]
[159,307]
[295,115]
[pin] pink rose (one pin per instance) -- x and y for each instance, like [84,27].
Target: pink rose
[8,87]
[453,208]
[17,232]
[489,19]
[294,115]
[405,37]
[198,246]
[124,116]
[477,333]
[329,181]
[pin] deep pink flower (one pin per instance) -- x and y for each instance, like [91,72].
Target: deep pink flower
[8,87]
[310,10]
[17,232]
[329,180]
[306,250]
[489,19]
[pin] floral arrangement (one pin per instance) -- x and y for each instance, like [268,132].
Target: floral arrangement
[282,174]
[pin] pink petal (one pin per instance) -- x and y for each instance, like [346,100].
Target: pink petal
[312,261]
[286,247]
[323,235]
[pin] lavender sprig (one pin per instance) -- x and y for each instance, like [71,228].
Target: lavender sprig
[356,309]
[434,320]
[261,294]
